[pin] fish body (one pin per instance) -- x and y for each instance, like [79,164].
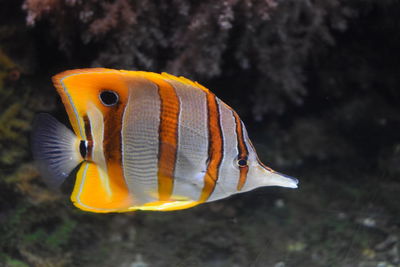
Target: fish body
[146,141]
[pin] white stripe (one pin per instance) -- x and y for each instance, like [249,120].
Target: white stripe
[97,131]
[192,150]
[140,124]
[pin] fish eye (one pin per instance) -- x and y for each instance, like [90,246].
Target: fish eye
[242,162]
[109,98]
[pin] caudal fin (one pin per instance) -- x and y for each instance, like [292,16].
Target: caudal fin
[55,149]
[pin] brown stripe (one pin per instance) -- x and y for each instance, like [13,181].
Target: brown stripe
[215,147]
[243,151]
[168,138]
[112,143]
[93,194]
[112,148]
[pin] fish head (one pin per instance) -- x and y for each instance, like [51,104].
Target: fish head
[95,100]
[242,170]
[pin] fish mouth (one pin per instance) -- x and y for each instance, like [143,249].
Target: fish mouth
[283,180]
[294,180]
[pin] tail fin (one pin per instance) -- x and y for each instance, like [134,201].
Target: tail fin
[55,149]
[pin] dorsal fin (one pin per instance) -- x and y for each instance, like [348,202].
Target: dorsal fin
[184,80]
[167,76]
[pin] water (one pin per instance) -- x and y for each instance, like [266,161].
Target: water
[320,103]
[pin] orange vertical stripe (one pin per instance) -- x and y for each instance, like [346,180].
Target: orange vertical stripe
[215,149]
[168,139]
[243,152]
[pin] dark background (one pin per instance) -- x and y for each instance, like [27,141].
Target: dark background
[316,83]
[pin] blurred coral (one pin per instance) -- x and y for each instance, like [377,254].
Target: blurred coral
[115,13]
[198,39]
[36,9]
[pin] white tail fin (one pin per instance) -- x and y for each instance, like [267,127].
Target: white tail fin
[55,149]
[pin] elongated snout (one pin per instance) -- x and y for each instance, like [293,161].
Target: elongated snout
[260,176]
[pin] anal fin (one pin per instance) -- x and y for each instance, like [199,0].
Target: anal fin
[91,194]
[166,205]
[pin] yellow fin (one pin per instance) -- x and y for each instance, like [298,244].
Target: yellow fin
[165,76]
[166,205]
[184,81]
[92,194]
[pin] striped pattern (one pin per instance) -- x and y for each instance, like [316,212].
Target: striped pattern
[192,150]
[95,191]
[215,149]
[170,158]
[243,151]
[228,171]
[112,145]
[168,138]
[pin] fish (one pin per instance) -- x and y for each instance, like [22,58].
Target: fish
[146,141]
